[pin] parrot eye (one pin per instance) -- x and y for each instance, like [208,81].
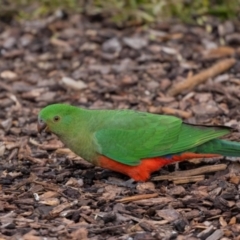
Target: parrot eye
[56,118]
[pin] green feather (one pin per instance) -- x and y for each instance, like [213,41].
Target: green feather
[219,146]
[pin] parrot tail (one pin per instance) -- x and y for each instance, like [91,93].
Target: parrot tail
[221,147]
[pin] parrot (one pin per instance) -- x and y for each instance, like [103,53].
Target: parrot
[131,142]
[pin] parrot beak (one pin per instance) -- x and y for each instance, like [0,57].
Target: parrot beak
[42,126]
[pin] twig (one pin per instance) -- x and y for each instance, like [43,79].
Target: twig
[220,52]
[137,197]
[190,82]
[45,146]
[49,147]
[192,172]
[35,160]
[152,222]
[176,112]
[188,179]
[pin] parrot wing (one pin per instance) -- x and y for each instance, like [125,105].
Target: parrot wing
[132,136]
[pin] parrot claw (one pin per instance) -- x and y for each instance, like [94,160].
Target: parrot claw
[128,184]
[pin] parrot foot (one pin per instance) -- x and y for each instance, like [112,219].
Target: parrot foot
[128,184]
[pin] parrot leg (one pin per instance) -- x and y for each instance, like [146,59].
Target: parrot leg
[177,166]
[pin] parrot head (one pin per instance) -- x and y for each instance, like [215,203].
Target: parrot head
[55,118]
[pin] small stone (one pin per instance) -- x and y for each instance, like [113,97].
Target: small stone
[203,97]
[152,85]
[26,39]
[124,65]
[170,51]
[180,224]
[112,45]
[221,78]
[45,65]
[136,43]
[73,84]
[89,47]
[155,48]
[226,28]
[233,38]
[6,124]
[103,69]
[109,217]
[168,214]
[47,96]
[164,84]
[176,191]
[206,109]
[9,75]
[2,149]
[209,44]
[9,42]
[143,187]
[129,80]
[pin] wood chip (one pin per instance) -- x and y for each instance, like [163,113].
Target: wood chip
[216,235]
[233,221]
[50,201]
[48,192]
[168,214]
[137,197]
[62,207]
[222,222]
[201,77]
[154,201]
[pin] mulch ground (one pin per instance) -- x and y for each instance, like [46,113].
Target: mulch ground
[46,192]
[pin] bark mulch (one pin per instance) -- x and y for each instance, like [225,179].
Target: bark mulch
[49,193]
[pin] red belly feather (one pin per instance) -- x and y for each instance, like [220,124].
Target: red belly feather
[143,171]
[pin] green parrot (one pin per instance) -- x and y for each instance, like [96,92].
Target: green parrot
[133,143]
